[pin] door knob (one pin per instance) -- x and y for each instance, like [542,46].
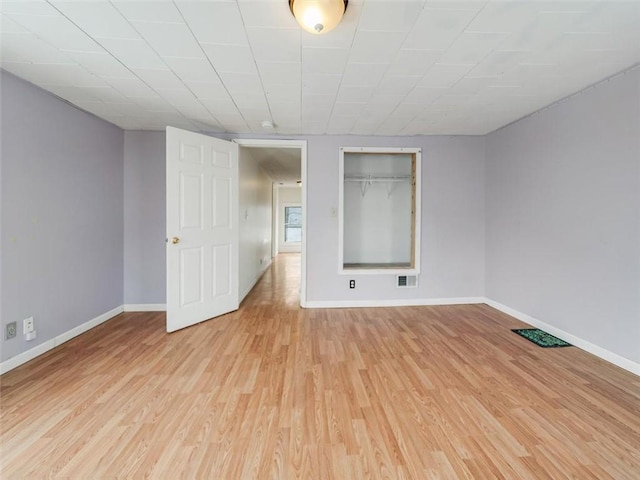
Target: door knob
[175,240]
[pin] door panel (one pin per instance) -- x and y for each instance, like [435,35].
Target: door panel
[202,228]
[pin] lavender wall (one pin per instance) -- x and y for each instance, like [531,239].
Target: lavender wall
[144,218]
[62,214]
[452,220]
[563,216]
[452,246]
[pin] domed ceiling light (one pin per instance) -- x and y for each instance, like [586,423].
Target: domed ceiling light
[318,16]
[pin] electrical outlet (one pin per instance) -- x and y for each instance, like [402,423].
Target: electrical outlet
[28,325]
[11,331]
[352,284]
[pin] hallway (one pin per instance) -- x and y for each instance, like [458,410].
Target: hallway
[273,391]
[280,284]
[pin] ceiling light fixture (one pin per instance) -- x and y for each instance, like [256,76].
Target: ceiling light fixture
[318,16]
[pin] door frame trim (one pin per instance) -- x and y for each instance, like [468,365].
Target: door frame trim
[302,146]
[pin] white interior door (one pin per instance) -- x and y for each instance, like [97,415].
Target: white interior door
[202,228]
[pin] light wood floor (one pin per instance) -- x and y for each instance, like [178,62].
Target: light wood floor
[276,392]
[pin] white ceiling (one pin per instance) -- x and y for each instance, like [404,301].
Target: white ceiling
[282,165]
[390,68]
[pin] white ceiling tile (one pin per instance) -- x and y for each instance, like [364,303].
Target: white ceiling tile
[385,102]
[471,47]
[169,39]
[314,127]
[413,66]
[341,124]
[58,31]
[499,62]
[131,87]
[31,7]
[504,16]
[368,74]
[444,76]
[158,78]
[315,111]
[56,74]
[321,84]
[28,48]
[97,18]
[280,73]
[407,110]
[375,47]
[8,26]
[207,90]
[283,93]
[214,22]
[226,118]
[101,64]
[546,27]
[142,11]
[177,95]
[251,101]
[267,14]
[348,109]
[437,28]
[239,83]
[220,106]
[287,121]
[132,53]
[396,85]
[414,62]
[324,60]
[471,85]
[274,44]
[449,100]
[195,111]
[399,15]
[424,95]
[192,69]
[355,93]
[155,103]
[230,58]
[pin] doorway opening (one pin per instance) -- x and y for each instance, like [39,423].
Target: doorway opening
[285,163]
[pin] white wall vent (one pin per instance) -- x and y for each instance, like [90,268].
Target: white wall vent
[406,281]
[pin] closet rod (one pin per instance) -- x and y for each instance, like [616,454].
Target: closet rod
[375,178]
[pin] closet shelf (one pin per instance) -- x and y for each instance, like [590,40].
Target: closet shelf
[367,180]
[377,178]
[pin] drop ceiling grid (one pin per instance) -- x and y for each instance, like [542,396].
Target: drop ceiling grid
[402,67]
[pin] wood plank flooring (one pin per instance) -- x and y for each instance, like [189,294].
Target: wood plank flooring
[277,392]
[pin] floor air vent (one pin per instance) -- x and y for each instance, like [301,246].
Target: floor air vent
[407,281]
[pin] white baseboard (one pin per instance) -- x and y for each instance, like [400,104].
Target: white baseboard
[604,354]
[145,307]
[38,350]
[246,290]
[405,302]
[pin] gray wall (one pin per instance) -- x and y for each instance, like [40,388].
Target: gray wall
[144,218]
[563,216]
[452,246]
[62,214]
